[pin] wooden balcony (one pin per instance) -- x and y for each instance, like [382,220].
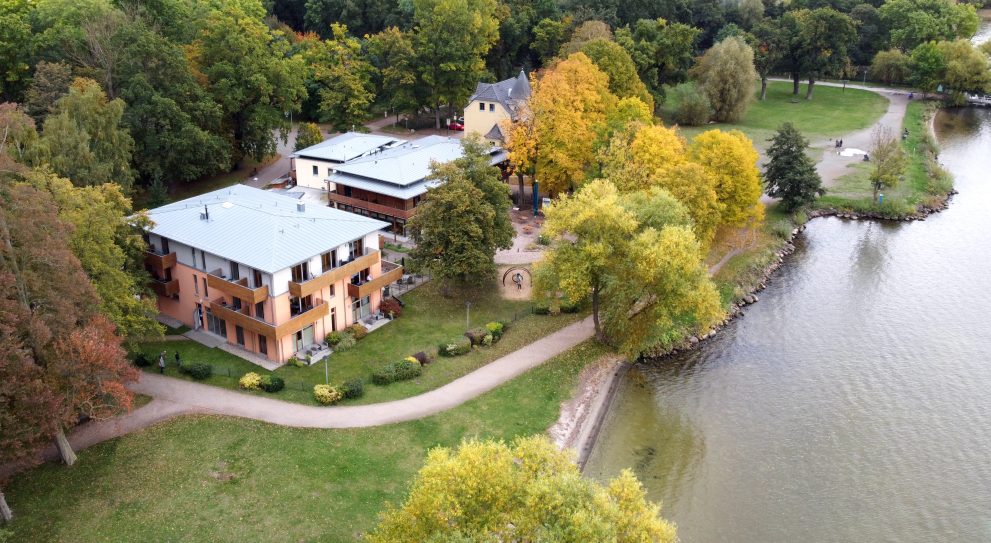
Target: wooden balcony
[334,275]
[165,288]
[319,310]
[159,262]
[370,206]
[237,288]
[387,277]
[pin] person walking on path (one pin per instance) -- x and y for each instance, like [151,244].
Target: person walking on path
[178,362]
[161,363]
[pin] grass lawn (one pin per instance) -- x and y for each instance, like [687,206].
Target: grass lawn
[832,112]
[222,479]
[428,319]
[853,190]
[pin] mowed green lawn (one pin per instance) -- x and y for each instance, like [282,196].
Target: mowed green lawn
[221,479]
[428,319]
[831,113]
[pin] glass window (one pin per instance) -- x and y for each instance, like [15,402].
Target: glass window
[235,272]
[481,106]
[196,285]
[491,107]
[239,334]
[301,272]
[315,170]
[206,293]
[260,310]
[263,344]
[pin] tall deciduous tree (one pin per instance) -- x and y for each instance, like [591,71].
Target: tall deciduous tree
[548,36]
[17,46]
[451,40]
[570,104]
[50,82]
[967,70]
[731,159]
[344,78]
[464,220]
[663,52]
[247,70]
[616,63]
[769,44]
[790,174]
[928,67]
[391,53]
[887,160]
[83,138]
[913,22]
[826,37]
[525,491]
[726,74]
[891,66]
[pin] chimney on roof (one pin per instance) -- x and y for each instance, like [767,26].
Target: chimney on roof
[206,213]
[300,207]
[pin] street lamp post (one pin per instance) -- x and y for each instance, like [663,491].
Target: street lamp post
[467,315]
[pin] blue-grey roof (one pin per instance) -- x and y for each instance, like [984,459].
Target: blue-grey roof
[259,228]
[508,92]
[347,146]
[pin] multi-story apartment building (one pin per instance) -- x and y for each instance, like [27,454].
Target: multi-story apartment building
[264,271]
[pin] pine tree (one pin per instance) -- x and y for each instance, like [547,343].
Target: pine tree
[790,174]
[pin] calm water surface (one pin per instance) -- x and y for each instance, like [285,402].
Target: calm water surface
[853,403]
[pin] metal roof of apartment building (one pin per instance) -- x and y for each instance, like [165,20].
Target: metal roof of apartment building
[347,146]
[401,171]
[258,228]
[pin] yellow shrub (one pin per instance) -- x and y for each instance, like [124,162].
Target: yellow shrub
[326,394]
[250,381]
[412,360]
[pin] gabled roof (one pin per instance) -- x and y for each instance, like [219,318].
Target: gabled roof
[347,146]
[495,134]
[404,164]
[259,228]
[508,92]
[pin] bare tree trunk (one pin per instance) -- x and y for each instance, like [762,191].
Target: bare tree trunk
[763,88]
[812,82]
[5,514]
[795,82]
[64,448]
[437,116]
[595,313]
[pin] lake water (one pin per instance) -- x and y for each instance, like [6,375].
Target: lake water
[852,403]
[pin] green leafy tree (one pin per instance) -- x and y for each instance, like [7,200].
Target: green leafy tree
[913,22]
[463,221]
[790,174]
[50,82]
[361,16]
[871,35]
[109,248]
[83,139]
[451,39]
[891,66]
[826,36]
[967,70]
[616,63]
[726,74]
[690,104]
[517,22]
[17,47]
[308,135]
[548,36]
[527,490]
[344,78]
[586,32]
[391,53]
[247,70]
[928,67]
[887,160]
[662,52]
[769,45]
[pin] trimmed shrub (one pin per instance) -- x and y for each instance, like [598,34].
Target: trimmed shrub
[334,338]
[326,394]
[353,388]
[141,360]
[346,343]
[496,329]
[541,310]
[457,347]
[396,371]
[391,307]
[476,335]
[357,331]
[197,370]
[250,381]
[272,383]
[570,307]
[487,340]
[422,358]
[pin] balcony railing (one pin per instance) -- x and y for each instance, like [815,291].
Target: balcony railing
[390,274]
[343,271]
[370,206]
[237,288]
[159,261]
[225,311]
[165,288]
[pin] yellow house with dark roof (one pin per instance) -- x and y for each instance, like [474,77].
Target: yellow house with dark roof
[493,103]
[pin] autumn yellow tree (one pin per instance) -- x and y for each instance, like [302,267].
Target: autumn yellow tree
[527,490]
[731,159]
[569,105]
[521,142]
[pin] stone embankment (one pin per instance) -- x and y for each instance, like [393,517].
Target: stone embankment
[921,213]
